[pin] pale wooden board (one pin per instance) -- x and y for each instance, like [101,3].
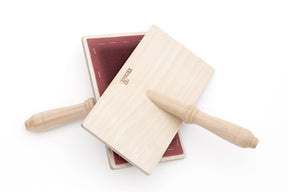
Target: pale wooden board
[91,70]
[126,121]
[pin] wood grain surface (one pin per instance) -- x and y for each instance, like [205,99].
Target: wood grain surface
[125,120]
[105,55]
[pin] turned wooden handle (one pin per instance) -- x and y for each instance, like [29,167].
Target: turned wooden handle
[229,131]
[191,114]
[56,117]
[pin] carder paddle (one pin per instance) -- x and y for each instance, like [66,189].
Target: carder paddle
[125,120]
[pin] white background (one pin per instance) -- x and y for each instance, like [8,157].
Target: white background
[42,67]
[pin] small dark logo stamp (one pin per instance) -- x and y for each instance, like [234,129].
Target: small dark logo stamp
[125,79]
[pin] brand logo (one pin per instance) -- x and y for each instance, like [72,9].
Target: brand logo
[125,79]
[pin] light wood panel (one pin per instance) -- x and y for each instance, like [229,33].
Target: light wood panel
[125,120]
[96,47]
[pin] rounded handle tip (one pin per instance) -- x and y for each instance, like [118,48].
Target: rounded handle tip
[254,143]
[27,125]
[31,126]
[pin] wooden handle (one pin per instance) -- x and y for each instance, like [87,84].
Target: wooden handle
[54,118]
[229,131]
[191,114]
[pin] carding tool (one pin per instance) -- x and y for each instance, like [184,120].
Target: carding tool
[125,120]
